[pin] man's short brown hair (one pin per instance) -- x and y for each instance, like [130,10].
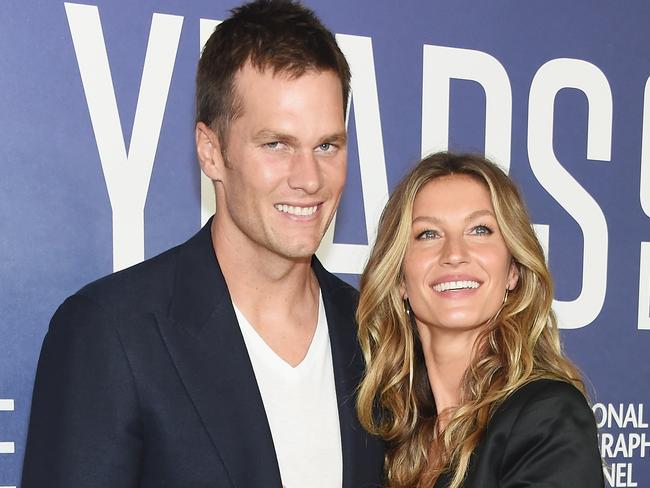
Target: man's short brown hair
[281,35]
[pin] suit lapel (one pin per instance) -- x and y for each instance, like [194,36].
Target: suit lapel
[348,367]
[204,340]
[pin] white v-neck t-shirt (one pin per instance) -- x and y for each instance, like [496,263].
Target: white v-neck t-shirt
[301,407]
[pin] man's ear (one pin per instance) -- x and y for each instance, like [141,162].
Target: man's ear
[208,151]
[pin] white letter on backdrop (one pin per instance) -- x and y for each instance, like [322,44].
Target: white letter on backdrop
[644,288]
[127,176]
[350,258]
[208,203]
[644,195]
[644,190]
[558,182]
[439,65]
[7,405]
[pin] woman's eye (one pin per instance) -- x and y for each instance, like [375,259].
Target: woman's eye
[481,230]
[427,234]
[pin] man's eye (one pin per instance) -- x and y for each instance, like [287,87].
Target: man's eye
[326,147]
[427,234]
[272,145]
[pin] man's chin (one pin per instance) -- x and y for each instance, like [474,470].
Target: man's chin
[301,255]
[300,251]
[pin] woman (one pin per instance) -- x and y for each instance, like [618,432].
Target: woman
[466,380]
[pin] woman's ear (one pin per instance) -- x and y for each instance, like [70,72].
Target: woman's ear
[402,290]
[208,151]
[513,275]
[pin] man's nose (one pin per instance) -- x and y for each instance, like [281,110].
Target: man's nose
[306,172]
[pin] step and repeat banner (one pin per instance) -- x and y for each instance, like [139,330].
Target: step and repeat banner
[98,168]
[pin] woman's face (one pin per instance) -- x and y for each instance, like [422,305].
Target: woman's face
[457,266]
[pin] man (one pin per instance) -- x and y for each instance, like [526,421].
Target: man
[230,360]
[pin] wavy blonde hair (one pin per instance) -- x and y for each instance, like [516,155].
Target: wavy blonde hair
[521,345]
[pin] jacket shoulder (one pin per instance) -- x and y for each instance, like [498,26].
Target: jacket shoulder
[547,389]
[141,288]
[538,402]
[550,437]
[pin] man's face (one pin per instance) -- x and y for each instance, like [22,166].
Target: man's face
[285,162]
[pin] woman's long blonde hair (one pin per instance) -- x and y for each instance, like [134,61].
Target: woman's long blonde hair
[522,344]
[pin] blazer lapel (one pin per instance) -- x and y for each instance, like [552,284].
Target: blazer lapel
[348,368]
[204,340]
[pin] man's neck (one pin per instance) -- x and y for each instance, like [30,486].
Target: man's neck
[278,295]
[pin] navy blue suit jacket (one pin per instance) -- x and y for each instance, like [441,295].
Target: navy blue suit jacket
[144,381]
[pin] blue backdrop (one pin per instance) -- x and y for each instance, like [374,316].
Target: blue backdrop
[97,164]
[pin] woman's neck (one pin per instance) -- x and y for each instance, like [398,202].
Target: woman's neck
[447,357]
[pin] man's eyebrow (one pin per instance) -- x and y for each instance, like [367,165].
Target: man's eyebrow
[271,135]
[337,138]
[470,217]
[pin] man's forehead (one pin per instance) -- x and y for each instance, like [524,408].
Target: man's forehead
[249,77]
[268,69]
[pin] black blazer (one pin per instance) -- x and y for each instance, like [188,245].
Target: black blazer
[144,381]
[543,436]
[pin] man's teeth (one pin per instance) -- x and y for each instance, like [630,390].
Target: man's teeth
[455,285]
[299,211]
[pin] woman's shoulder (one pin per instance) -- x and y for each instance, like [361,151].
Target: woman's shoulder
[545,390]
[546,432]
[544,403]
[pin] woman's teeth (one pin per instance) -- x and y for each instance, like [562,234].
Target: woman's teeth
[456,285]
